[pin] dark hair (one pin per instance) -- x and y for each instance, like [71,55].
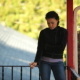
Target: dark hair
[52,14]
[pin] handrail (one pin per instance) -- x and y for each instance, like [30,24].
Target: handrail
[13,66]
[74,74]
[2,66]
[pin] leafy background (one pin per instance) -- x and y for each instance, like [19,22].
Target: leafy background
[28,16]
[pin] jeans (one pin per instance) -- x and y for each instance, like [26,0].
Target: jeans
[57,69]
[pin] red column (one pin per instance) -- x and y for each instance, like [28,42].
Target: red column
[70,35]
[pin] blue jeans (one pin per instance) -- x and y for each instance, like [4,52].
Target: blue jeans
[57,69]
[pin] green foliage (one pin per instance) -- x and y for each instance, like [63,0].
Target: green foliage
[28,16]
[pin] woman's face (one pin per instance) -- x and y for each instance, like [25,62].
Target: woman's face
[52,23]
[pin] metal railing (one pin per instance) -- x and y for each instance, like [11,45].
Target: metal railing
[21,70]
[74,74]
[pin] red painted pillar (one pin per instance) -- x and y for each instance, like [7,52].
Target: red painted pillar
[70,35]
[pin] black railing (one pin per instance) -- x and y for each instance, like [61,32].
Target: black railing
[74,74]
[21,70]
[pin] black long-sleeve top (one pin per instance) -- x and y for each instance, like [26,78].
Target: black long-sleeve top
[51,43]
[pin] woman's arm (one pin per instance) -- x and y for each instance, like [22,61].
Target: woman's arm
[39,47]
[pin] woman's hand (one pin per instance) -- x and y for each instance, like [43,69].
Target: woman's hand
[33,64]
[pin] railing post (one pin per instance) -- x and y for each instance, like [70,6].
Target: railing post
[30,73]
[12,73]
[2,72]
[21,73]
[39,76]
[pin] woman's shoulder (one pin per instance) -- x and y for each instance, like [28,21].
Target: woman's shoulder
[45,29]
[63,29]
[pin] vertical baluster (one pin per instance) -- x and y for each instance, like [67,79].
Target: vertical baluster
[39,76]
[21,74]
[30,73]
[12,73]
[2,72]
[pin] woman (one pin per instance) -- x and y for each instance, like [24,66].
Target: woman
[51,44]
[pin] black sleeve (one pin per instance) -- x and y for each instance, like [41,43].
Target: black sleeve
[39,47]
[61,46]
